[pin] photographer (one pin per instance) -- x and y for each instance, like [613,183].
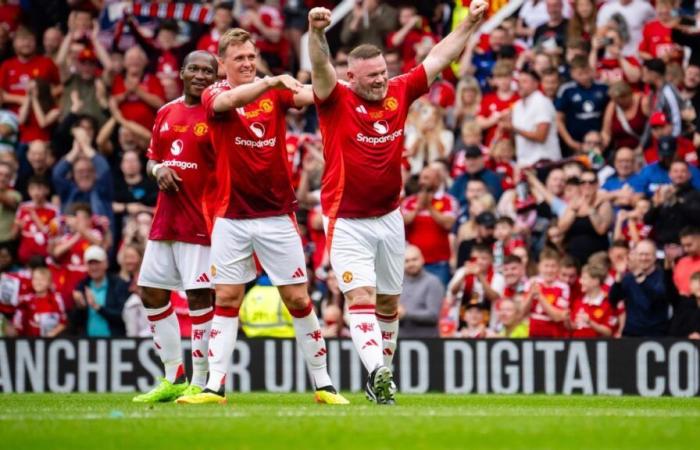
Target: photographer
[610,64]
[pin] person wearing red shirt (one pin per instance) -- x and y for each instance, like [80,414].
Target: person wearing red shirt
[414,30]
[178,247]
[223,19]
[547,299]
[660,128]
[138,94]
[36,221]
[361,184]
[591,314]
[656,35]
[497,104]
[17,73]
[265,24]
[40,313]
[690,263]
[429,216]
[613,65]
[255,211]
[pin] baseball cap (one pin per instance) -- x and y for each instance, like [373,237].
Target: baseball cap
[486,219]
[95,253]
[658,119]
[472,151]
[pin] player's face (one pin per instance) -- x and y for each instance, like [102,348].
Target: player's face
[239,63]
[548,269]
[369,78]
[197,75]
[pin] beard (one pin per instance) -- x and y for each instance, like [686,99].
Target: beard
[370,93]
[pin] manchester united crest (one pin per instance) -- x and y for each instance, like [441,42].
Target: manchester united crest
[391,104]
[200,129]
[266,105]
[347,277]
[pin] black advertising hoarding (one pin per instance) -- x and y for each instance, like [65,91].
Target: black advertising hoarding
[454,366]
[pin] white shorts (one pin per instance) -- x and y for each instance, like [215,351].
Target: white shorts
[275,241]
[175,265]
[368,252]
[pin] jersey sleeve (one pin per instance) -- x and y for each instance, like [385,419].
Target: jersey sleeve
[416,82]
[333,98]
[285,97]
[208,97]
[153,151]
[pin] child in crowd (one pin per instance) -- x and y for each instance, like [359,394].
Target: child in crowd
[591,314]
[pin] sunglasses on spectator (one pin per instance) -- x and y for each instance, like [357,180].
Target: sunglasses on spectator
[588,181]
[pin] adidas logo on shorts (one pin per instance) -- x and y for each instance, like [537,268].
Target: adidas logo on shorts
[203,278]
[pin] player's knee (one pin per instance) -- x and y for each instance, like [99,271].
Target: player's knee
[296,300]
[199,298]
[229,296]
[387,304]
[361,296]
[153,298]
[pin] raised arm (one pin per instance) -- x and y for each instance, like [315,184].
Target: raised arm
[246,93]
[322,72]
[449,49]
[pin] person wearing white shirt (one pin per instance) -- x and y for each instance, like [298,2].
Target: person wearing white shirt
[635,12]
[533,123]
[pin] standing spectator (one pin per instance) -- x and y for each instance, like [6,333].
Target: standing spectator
[40,313]
[674,206]
[580,105]
[414,30]
[586,221]
[690,263]
[39,161]
[591,314]
[497,103]
[661,128]
[625,117]
[84,91]
[550,83]
[646,290]
[429,216]
[223,20]
[477,281]
[9,201]
[555,27]
[656,35]
[133,192]
[91,177]
[685,322]
[369,23]
[265,23]
[547,299]
[475,169]
[51,41]
[138,94]
[427,140]
[663,97]
[609,61]
[17,73]
[36,222]
[533,123]
[99,299]
[635,14]
[582,23]
[421,298]
[129,258]
[39,112]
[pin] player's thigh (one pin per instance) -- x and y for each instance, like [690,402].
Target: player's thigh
[391,250]
[279,249]
[159,268]
[352,248]
[232,252]
[193,263]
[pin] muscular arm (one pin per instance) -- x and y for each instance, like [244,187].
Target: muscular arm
[452,46]
[246,93]
[322,72]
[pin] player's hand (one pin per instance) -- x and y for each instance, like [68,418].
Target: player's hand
[286,82]
[320,19]
[477,10]
[167,180]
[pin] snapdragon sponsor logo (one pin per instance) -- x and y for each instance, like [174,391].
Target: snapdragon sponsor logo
[373,140]
[184,165]
[256,144]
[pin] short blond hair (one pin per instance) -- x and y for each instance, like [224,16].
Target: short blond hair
[234,36]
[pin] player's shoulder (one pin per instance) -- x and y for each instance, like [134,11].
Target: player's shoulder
[216,88]
[173,104]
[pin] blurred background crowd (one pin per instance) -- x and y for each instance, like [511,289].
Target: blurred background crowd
[551,174]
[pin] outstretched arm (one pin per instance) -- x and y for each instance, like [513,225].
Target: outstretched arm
[322,71]
[246,93]
[449,49]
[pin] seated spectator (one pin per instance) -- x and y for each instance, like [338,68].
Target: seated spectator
[129,259]
[646,290]
[674,206]
[421,298]
[496,104]
[569,274]
[547,299]
[369,23]
[479,60]
[9,201]
[332,318]
[685,322]
[477,282]
[655,175]
[133,192]
[37,221]
[40,313]
[474,164]
[661,128]
[90,177]
[625,117]
[134,316]
[429,216]
[99,299]
[591,314]
[586,221]
[502,161]
[512,324]
[474,318]
[580,104]
[617,187]
[532,123]
[690,263]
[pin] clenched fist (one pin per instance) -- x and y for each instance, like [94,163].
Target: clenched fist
[320,18]
[477,10]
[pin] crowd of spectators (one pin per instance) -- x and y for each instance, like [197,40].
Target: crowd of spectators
[551,175]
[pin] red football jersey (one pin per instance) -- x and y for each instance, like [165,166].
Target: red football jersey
[37,315]
[609,71]
[432,239]
[133,108]
[210,42]
[684,150]
[541,325]
[656,40]
[180,140]
[362,146]
[34,237]
[15,75]
[597,309]
[251,155]
[492,103]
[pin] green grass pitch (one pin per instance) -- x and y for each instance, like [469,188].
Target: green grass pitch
[290,421]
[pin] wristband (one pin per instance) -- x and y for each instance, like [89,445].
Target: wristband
[154,170]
